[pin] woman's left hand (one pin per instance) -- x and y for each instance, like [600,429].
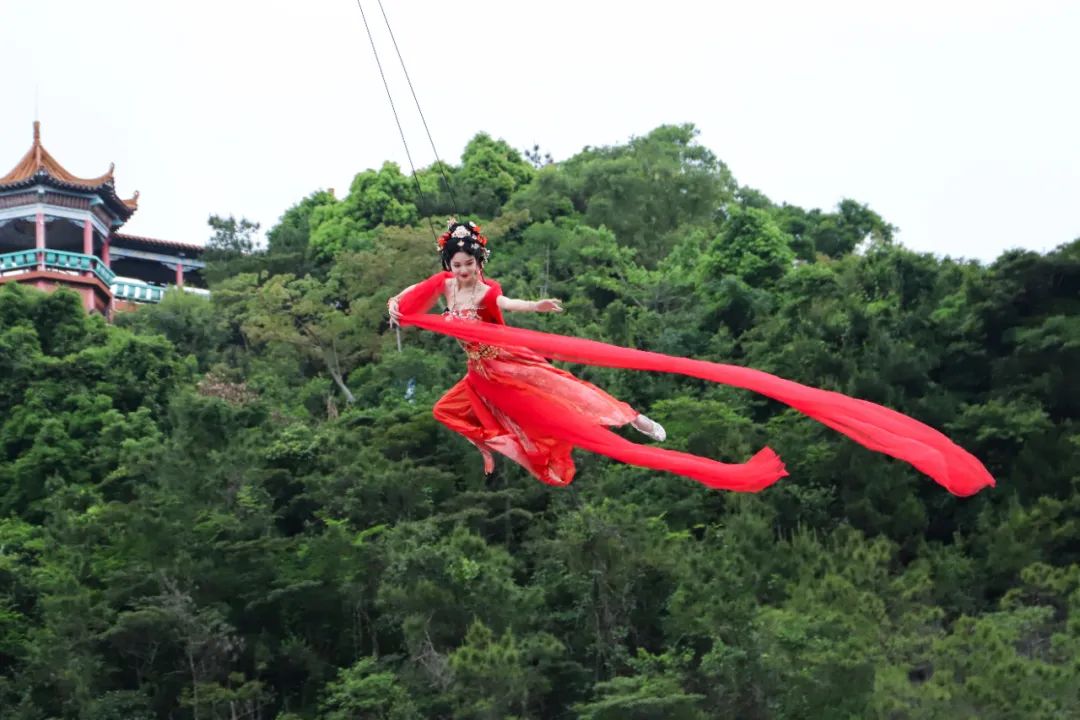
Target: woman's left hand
[549,305]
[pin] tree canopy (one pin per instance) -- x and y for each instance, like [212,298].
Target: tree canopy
[241,506]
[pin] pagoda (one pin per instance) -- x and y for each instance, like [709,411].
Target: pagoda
[60,230]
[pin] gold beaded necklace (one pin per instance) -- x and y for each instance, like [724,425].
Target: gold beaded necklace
[454,307]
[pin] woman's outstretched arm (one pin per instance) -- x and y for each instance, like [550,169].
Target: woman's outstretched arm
[392,305]
[515,305]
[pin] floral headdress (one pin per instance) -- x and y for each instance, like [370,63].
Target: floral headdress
[465,236]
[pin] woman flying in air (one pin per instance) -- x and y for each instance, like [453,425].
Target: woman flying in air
[514,402]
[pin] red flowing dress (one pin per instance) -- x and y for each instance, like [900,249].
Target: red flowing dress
[514,402]
[486,405]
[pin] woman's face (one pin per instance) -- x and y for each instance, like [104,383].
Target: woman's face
[464,267]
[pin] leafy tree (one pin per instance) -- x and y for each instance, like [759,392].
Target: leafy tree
[231,236]
[647,190]
[499,677]
[653,693]
[366,690]
[751,247]
[292,234]
[306,314]
[194,525]
[382,197]
[491,170]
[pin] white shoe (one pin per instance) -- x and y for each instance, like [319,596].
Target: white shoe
[649,427]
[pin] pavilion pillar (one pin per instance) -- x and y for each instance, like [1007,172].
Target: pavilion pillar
[88,241]
[39,239]
[179,274]
[105,250]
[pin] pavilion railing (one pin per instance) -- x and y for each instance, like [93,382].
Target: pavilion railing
[121,288]
[55,260]
[137,291]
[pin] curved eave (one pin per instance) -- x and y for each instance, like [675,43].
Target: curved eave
[38,161]
[124,209]
[141,241]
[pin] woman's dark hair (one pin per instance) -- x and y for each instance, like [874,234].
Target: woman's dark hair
[463,237]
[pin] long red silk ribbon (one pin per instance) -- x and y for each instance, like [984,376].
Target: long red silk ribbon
[873,426]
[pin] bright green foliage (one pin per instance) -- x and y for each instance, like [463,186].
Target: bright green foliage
[490,172]
[73,392]
[291,235]
[752,247]
[383,197]
[501,677]
[241,507]
[438,583]
[362,690]
[653,692]
[305,314]
[832,234]
[189,321]
[648,189]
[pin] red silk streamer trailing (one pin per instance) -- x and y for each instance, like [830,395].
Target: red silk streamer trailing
[873,426]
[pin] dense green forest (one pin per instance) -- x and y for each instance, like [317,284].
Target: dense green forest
[241,506]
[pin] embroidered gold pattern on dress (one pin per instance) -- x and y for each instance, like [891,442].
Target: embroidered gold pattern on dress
[463,314]
[479,351]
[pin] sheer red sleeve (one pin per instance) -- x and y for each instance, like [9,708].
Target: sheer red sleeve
[419,298]
[873,426]
[491,312]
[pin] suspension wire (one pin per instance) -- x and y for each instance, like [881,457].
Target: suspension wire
[438,160]
[393,108]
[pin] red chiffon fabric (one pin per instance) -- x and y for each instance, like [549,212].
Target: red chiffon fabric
[513,402]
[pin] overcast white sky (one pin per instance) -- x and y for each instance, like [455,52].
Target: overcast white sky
[956,121]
